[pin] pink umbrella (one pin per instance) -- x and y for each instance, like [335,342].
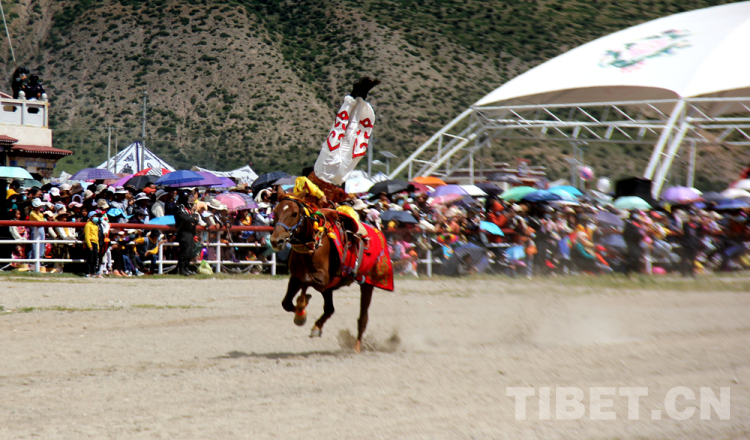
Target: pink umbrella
[442,200]
[232,201]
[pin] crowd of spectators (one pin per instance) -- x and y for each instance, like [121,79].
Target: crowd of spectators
[587,236]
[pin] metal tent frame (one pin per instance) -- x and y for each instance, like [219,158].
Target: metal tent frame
[666,124]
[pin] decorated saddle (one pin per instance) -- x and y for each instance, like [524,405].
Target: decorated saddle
[365,260]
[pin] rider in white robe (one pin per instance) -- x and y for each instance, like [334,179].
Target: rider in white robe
[349,136]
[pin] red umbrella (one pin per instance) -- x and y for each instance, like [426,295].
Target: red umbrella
[420,187]
[152,172]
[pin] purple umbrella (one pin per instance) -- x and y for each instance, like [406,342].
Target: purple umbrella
[444,190]
[208,180]
[226,183]
[681,194]
[123,181]
[94,174]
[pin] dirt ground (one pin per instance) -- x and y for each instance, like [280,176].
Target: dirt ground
[220,359]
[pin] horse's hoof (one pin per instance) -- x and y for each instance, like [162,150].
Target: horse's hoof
[316,332]
[358,346]
[300,318]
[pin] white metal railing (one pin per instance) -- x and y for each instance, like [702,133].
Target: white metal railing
[39,259]
[218,263]
[24,113]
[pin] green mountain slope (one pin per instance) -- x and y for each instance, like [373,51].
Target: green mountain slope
[232,82]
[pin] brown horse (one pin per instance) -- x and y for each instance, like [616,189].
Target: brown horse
[314,262]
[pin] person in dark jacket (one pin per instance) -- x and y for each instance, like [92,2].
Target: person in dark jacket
[633,236]
[19,79]
[185,222]
[33,89]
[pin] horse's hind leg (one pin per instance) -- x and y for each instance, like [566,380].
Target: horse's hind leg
[328,310]
[364,305]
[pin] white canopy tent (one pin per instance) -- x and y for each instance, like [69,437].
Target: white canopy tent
[661,82]
[129,160]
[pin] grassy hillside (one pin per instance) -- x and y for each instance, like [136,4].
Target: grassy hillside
[232,82]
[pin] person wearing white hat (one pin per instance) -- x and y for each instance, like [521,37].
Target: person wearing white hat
[157,210]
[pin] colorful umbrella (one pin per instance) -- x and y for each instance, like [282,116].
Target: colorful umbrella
[490,188]
[267,180]
[729,205]
[570,189]
[429,181]
[473,190]
[31,183]
[632,202]
[167,220]
[123,181]
[400,216]
[564,194]
[14,173]
[139,182]
[389,187]
[421,188]
[734,193]
[681,195]
[233,201]
[713,196]
[742,184]
[209,179]
[358,186]
[541,195]
[491,228]
[517,193]
[448,198]
[94,174]
[180,178]
[250,203]
[289,180]
[226,182]
[448,189]
[152,172]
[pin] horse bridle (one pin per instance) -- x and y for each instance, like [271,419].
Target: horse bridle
[291,230]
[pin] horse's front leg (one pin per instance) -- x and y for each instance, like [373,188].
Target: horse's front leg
[295,284]
[328,310]
[364,305]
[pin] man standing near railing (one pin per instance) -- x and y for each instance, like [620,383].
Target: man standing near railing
[185,222]
[37,233]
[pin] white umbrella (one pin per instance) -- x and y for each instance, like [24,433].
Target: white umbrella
[735,193]
[14,173]
[473,190]
[357,185]
[742,184]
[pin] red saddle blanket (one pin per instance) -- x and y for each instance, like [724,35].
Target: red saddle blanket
[376,264]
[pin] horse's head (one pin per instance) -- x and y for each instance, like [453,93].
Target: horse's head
[288,218]
[300,314]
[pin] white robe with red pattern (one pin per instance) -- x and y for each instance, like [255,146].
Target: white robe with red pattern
[347,141]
